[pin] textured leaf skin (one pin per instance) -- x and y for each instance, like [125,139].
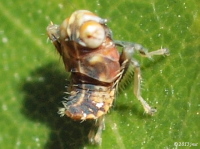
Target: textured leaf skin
[33,79]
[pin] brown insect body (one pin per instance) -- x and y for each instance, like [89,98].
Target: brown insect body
[90,55]
[93,76]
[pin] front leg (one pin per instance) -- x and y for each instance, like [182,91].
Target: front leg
[127,53]
[130,48]
[53,32]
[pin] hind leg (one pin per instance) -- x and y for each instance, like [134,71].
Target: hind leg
[94,135]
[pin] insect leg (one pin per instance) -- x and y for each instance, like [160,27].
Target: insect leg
[132,47]
[127,53]
[96,131]
[53,32]
[137,88]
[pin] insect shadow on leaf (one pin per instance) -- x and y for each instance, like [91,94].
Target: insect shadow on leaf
[43,91]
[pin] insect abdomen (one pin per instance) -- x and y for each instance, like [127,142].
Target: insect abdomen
[88,101]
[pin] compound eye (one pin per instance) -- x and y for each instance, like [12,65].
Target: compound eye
[92,34]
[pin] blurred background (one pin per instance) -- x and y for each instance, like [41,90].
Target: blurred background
[33,79]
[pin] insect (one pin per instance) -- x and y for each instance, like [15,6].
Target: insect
[90,54]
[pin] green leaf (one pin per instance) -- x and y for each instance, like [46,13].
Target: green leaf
[33,77]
